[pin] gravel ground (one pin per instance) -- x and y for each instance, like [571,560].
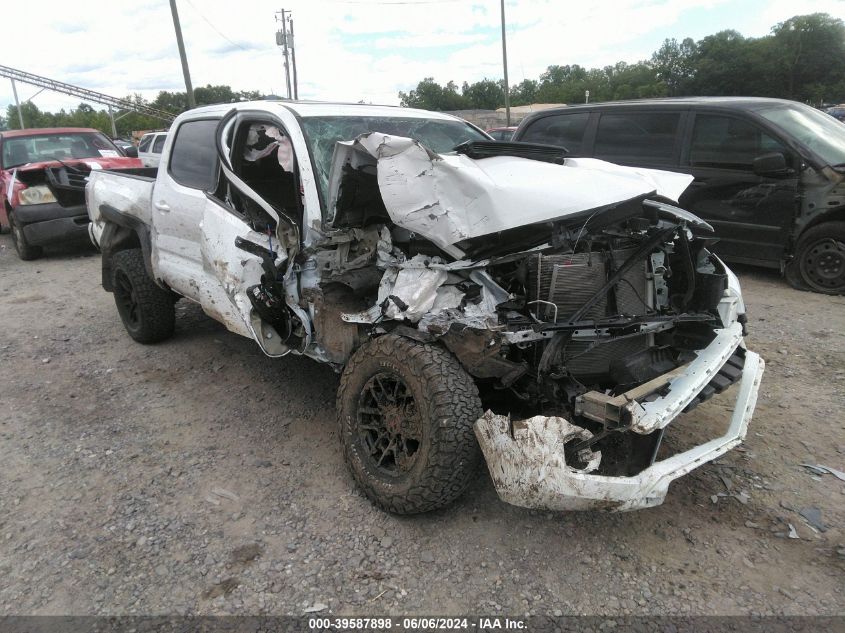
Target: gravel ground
[200,477]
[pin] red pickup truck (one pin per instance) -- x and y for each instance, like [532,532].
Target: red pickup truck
[43,172]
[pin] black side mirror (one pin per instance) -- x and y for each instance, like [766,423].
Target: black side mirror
[131,151]
[773,164]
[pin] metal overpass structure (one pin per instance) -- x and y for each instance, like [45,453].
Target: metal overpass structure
[113,103]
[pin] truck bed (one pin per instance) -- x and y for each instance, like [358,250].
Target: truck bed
[127,191]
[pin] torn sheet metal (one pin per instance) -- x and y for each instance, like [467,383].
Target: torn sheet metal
[480,314]
[419,289]
[409,293]
[529,469]
[448,198]
[527,464]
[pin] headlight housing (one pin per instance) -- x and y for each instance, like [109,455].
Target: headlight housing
[39,194]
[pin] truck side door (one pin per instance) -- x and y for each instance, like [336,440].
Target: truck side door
[188,169]
[751,212]
[250,234]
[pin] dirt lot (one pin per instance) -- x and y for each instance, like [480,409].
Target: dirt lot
[198,476]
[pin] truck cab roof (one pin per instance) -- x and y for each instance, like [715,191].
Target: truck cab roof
[322,108]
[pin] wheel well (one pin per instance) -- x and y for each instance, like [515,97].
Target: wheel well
[116,238]
[834,214]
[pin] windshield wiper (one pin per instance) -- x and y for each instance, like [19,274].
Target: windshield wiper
[65,165]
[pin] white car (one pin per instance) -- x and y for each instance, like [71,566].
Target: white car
[150,148]
[443,274]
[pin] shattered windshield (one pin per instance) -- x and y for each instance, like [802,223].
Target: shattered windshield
[20,150]
[322,133]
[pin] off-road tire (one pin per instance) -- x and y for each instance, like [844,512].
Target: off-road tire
[807,271]
[447,400]
[25,250]
[152,316]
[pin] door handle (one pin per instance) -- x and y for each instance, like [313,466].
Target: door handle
[161,205]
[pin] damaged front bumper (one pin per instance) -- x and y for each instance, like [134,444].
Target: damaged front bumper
[528,466]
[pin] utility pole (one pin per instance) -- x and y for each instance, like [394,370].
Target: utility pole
[505,64]
[18,104]
[181,44]
[282,40]
[113,126]
[293,60]
[287,53]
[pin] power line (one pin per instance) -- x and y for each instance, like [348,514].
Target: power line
[216,30]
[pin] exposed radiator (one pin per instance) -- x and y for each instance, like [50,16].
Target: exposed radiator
[568,281]
[591,364]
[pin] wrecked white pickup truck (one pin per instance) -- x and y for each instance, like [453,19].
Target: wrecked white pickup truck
[444,275]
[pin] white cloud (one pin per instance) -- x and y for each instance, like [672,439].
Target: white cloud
[346,50]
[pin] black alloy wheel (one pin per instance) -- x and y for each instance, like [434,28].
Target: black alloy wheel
[126,299]
[389,424]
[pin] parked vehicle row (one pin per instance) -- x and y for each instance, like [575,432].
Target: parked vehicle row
[769,174]
[554,314]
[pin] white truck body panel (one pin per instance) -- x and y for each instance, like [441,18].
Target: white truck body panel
[131,195]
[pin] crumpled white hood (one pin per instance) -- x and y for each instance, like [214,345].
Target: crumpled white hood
[448,198]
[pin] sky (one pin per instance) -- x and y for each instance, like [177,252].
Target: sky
[350,50]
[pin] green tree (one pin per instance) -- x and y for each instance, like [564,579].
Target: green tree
[810,53]
[484,95]
[803,58]
[674,64]
[722,65]
[430,95]
[524,93]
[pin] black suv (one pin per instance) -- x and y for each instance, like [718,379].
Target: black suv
[769,173]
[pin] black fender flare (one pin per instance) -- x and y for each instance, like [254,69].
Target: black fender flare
[122,232]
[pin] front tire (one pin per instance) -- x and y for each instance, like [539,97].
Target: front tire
[819,262]
[147,311]
[406,412]
[25,250]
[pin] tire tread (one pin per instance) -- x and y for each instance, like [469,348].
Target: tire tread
[454,454]
[158,314]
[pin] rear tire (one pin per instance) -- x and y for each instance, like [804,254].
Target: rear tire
[147,311]
[819,262]
[25,250]
[417,399]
